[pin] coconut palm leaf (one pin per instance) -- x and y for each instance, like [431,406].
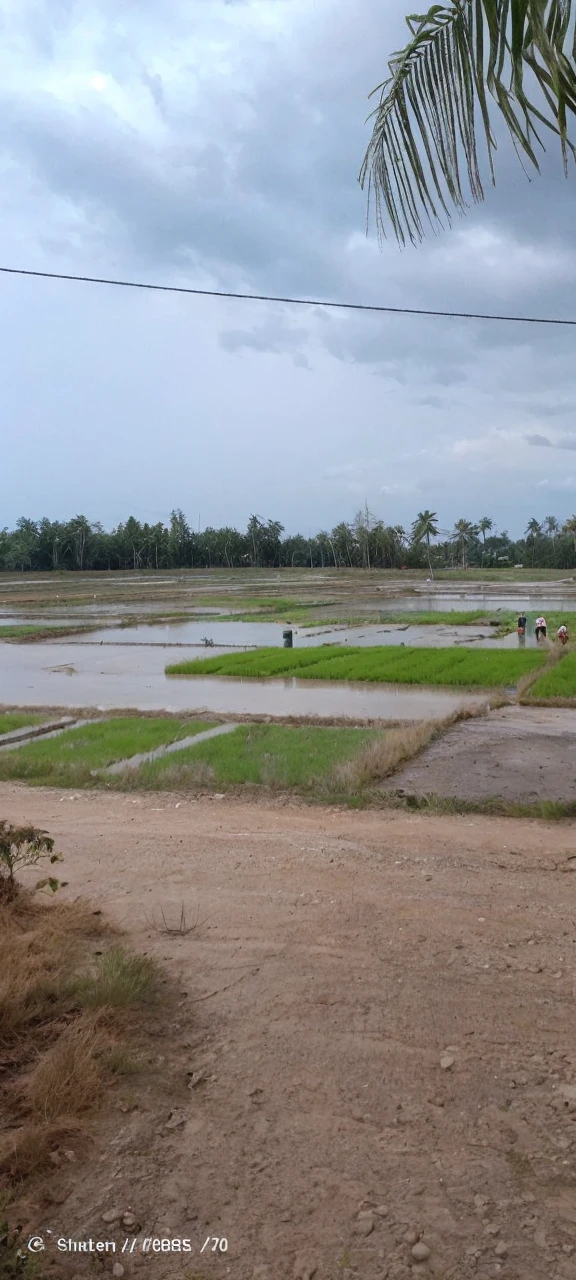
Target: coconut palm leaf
[463,58]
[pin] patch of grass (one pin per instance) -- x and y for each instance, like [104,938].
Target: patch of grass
[11,720]
[559,681]
[275,756]
[120,980]
[264,604]
[8,631]
[70,759]
[121,1063]
[43,631]
[424,618]
[453,618]
[392,664]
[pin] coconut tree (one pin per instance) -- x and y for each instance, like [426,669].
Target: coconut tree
[465,61]
[552,527]
[533,532]
[484,526]
[424,528]
[570,527]
[463,535]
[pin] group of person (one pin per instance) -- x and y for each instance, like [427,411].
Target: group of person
[541,630]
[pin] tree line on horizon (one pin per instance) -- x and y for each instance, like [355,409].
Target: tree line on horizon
[365,542]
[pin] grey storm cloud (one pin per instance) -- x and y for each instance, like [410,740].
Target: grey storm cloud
[276,337]
[565,442]
[218,145]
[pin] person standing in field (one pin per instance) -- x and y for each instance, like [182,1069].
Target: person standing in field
[541,628]
[522,623]
[562,634]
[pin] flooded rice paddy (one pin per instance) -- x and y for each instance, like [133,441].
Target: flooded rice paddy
[247,635]
[132,677]
[123,666]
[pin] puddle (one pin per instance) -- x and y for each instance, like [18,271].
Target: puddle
[65,675]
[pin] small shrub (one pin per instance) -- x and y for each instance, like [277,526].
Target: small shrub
[24,847]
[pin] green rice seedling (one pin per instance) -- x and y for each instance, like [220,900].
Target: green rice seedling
[393,664]
[11,720]
[559,681]
[74,758]
[276,756]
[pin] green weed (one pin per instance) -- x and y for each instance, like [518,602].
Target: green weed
[120,981]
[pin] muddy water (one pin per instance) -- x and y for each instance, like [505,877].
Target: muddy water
[242,634]
[254,634]
[488,601]
[67,675]
[70,615]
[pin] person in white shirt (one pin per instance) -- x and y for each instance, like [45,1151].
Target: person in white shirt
[562,635]
[540,627]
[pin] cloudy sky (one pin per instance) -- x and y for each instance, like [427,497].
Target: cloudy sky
[216,143]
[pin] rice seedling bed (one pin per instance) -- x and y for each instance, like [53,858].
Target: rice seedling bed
[276,756]
[72,758]
[390,664]
[559,681]
[10,720]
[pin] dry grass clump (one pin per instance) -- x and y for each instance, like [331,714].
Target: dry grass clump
[40,945]
[384,755]
[25,1149]
[69,1075]
[61,1041]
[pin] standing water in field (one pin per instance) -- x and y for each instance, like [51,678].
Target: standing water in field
[67,675]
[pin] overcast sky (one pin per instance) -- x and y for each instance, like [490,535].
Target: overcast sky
[217,143]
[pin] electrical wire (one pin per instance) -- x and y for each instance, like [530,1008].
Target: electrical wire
[298,302]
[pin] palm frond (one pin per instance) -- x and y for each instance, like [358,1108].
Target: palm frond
[462,59]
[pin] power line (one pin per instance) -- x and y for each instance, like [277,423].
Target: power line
[297,302]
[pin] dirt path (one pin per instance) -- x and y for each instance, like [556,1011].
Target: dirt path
[518,753]
[352,952]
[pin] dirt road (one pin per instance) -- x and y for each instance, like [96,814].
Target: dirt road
[383,1008]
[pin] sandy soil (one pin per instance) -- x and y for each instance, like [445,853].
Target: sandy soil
[383,1008]
[517,753]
